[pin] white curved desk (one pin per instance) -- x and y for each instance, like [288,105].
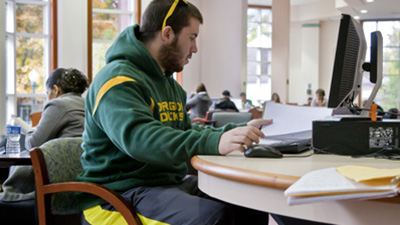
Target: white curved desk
[259,184]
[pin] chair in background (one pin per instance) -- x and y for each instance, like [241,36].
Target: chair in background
[222,118]
[209,117]
[203,121]
[35,117]
[56,165]
[257,113]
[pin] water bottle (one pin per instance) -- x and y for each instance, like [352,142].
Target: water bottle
[13,132]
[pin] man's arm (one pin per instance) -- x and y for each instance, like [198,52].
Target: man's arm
[125,114]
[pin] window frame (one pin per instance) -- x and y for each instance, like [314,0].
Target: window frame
[136,13]
[384,74]
[50,37]
[260,63]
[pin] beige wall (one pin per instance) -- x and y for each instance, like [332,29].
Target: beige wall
[328,34]
[303,70]
[72,34]
[280,48]
[221,56]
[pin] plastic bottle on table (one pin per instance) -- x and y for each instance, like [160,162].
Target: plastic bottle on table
[13,132]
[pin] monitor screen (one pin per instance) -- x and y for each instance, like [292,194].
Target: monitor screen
[349,65]
[347,69]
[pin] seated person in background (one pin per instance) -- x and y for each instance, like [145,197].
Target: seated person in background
[138,136]
[275,98]
[246,103]
[63,116]
[198,102]
[225,102]
[320,100]
[309,100]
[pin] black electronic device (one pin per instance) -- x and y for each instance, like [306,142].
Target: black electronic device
[349,64]
[356,137]
[292,146]
[262,151]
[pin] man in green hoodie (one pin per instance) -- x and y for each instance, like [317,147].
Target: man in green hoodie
[138,136]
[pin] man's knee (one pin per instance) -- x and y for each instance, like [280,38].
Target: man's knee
[218,214]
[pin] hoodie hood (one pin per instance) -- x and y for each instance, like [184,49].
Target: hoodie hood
[128,47]
[203,96]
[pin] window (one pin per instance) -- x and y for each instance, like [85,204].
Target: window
[108,19]
[389,94]
[28,53]
[259,40]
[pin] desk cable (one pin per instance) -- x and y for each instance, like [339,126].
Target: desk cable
[390,152]
[357,109]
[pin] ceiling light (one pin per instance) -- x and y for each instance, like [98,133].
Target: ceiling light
[369,0]
[363,11]
[356,17]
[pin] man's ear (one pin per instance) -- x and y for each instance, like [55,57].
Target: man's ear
[167,35]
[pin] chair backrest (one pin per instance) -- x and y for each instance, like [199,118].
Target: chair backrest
[35,118]
[222,118]
[62,158]
[56,165]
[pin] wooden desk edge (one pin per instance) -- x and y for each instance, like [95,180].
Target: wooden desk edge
[257,178]
[243,175]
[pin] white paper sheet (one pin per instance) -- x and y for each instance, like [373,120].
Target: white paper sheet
[341,188]
[292,121]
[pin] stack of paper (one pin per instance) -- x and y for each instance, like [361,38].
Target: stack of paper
[291,122]
[348,182]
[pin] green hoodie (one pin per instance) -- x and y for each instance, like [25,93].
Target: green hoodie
[137,131]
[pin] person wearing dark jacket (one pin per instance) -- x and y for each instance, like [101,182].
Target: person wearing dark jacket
[225,102]
[199,102]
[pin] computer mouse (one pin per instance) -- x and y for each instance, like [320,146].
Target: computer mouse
[262,151]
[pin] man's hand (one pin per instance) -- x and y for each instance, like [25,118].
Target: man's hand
[258,123]
[241,138]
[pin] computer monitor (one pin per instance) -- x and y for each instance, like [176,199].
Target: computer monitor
[349,64]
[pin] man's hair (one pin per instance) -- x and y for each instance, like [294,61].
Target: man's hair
[155,13]
[320,91]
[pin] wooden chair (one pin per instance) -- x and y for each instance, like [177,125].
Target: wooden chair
[257,113]
[35,117]
[56,165]
[209,117]
[204,121]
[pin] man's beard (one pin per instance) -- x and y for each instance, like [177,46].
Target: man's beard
[170,56]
